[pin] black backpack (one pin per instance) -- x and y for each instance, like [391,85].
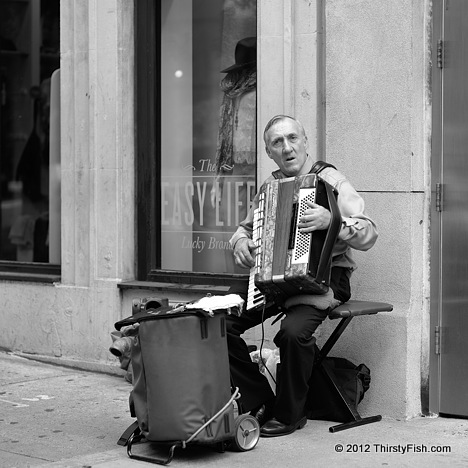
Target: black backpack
[353,380]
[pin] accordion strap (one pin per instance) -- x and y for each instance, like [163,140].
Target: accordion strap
[319,166]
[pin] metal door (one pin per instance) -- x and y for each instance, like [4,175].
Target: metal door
[450,255]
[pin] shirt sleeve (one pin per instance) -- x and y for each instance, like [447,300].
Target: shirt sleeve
[358,230]
[246,226]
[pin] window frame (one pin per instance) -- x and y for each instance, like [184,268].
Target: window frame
[147,174]
[12,270]
[148,158]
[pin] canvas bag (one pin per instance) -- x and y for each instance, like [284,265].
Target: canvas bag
[180,374]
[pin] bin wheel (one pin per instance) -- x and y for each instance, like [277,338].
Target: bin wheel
[246,432]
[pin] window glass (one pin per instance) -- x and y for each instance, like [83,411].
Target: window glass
[208,130]
[29,131]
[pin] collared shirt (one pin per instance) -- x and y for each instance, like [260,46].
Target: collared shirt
[358,231]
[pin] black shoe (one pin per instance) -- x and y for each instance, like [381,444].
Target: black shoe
[263,414]
[275,428]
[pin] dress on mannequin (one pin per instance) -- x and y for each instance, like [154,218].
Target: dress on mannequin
[235,163]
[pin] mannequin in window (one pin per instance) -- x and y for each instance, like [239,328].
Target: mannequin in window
[236,146]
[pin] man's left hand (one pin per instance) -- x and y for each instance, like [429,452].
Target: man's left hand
[315,218]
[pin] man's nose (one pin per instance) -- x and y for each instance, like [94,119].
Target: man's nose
[287,148]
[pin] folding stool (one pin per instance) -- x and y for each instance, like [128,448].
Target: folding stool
[345,313]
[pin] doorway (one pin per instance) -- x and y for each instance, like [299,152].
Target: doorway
[449,227]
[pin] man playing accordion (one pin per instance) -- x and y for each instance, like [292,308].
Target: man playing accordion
[286,143]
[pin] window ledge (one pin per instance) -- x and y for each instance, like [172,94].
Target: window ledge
[29,277]
[159,286]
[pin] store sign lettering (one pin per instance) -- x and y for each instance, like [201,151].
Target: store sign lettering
[199,244]
[183,204]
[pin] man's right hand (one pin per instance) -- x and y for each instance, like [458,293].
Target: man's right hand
[243,252]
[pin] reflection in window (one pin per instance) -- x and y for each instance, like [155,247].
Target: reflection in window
[208,129]
[29,125]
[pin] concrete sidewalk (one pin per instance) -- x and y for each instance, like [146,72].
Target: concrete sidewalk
[54,416]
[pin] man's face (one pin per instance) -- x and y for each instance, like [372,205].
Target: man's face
[286,144]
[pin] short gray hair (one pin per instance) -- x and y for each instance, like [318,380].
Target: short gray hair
[279,118]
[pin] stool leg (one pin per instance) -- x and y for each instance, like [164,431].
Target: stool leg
[358,422]
[332,339]
[352,412]
[355,417]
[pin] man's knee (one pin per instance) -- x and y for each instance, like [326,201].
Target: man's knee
[288,335]
[299,325]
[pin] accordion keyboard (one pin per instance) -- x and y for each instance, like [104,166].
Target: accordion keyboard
[254,297]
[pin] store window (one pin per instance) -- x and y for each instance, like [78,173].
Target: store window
[29,132]
[205,147]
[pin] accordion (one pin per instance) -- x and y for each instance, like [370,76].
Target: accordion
[287,261]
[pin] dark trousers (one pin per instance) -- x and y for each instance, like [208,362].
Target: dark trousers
[296,342]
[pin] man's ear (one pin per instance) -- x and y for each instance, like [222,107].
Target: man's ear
[267,151]
[306,143]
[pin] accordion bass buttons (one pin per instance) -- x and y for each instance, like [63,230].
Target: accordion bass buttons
[300,253]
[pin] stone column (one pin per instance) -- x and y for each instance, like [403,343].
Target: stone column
[97,62]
